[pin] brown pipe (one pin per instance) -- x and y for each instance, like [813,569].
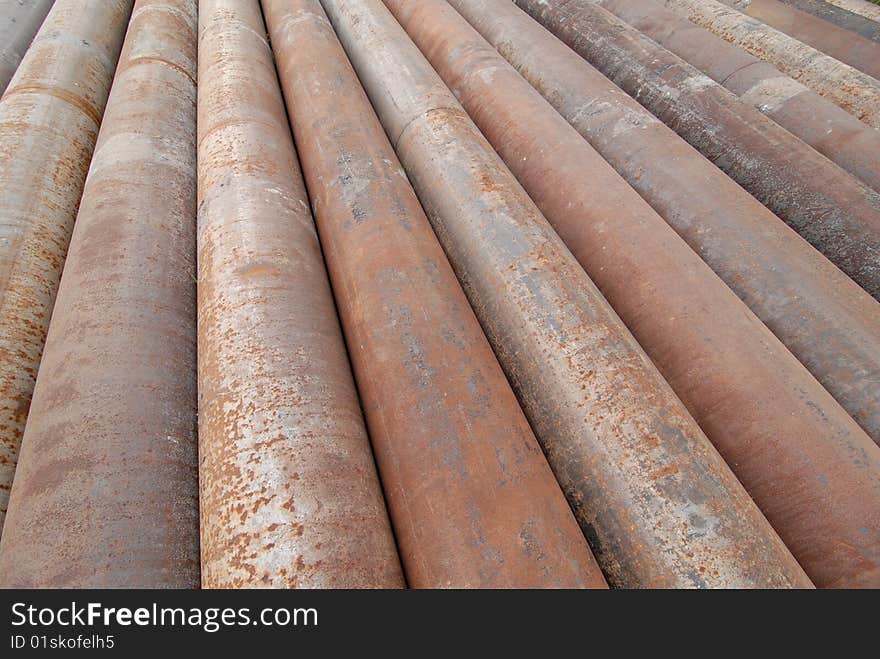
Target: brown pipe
[839,16]
[829,322]
[19,22]
[864,8]
[832,131]
[854,91]
[472,499]
[736,378]
[290,497]
[656,501]
[848,47]
[49,120]
[831,209]
[106,493]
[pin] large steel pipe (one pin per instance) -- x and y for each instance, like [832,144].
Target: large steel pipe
[106,493]
[842,17]
[861,7]
[49,120]
[835,212]
[657,502]
[19,22]
[841,44]
[472,499]
[854,91]
[829,129]
[829,322]
[290,496]
[736,378]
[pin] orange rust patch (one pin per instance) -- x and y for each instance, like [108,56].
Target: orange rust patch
[668,470]
[72,99]
[156,60]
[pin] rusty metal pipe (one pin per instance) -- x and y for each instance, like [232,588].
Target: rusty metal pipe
[854,91]
[861,7]
[49,120]
[839,16]
[290,497]
[657,502]
[829,322]
[829,129]
[835,212]
[106,493]
[19,22]
[472,499]
[736,378]
[841,44]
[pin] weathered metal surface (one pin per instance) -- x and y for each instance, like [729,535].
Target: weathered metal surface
[106,493]
[290,496]
[49,119]
[656,501]
[834,211]
[854,91]
[840,16]
[860,7]
[829,322]
[737,379]
[829,129]
[19,22]
[472,499]
[853,49]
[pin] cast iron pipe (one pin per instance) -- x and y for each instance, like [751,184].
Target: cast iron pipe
[49,120]
[829,129]
[854,91]
[472,499]
[835,212]
[19,22]
[290,497]
[736,378]
[853,49]
[839,16]
[860,7]
[830,323]
[658,504]
[106,493]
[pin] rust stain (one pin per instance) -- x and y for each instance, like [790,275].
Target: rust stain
[75,100]
[139,61]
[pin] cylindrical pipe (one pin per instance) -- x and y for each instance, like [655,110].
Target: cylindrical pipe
[835,212]
[854,91]
[657,502]
[49,120]
[839,16]
[19,22]
[106,493]
[853,49]
[736,378]
[829,322]
[829,129]
[472,499]
[861,7]
[290,497]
